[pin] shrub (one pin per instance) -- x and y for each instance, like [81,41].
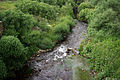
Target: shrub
[114,4]
[32,49]
[28,6]
[33,7]
[57,2]
[68,20]
[107,21]
[103,58]
[38,39]
[84,5]
[43,26]
[3,70]
[85,15]
[61,29]
[67,10]
[12,52]
[46,43]
[32,38]
[17,23]
[51,2]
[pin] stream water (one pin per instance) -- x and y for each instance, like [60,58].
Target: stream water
[62,63]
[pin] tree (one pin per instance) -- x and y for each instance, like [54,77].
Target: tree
[12,52]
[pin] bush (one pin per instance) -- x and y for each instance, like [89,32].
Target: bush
[114,4]
[61,29]
[67,10]
[84,5]
[102,47]
[32,38]
[57,2]
[43,26]
[17,23]
[32,49]
[68,20]
[33,7]
[12,52]
[46,43]
[85,15]
[104,57]
[38,39]
[3,70]
[28,6]
[107,21]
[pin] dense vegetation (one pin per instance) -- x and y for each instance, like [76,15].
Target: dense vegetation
[30,25]
[102,47]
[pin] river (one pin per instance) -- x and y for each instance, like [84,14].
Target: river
[62,63]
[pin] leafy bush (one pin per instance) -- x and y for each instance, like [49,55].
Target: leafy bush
[38,39]
[103,44]
[104,57]
[84,5]
[67,10]
[107,21]
[5,5]
[33,7]
[85,15]
[17,23]
[46,43]
[12,52]
[28,6]
[61,29]
[67,20]
[32,49]
[57,2]
[3,70]
[32,38]
[43,26]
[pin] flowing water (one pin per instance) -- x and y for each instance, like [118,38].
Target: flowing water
[62,63]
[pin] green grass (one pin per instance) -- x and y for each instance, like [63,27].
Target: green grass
[5,5]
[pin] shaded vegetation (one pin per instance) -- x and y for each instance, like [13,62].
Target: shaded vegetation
[30,25]
[102,46]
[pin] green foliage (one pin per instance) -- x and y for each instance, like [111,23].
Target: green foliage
[3,70]
[84,5]
[17,23]
[38,39]
[79,74]
[114,4]
[61,29]
[12,52]
[33,7]
[66,10]
[32,49]
[33,38]
[57,2]
[5,5]
[104,57]
[43,26]
[85,15]
[103,44]
[67,20]
[31,22]
[46,43]
[107,21]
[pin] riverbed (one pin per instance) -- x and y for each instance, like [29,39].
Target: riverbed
[64,62]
